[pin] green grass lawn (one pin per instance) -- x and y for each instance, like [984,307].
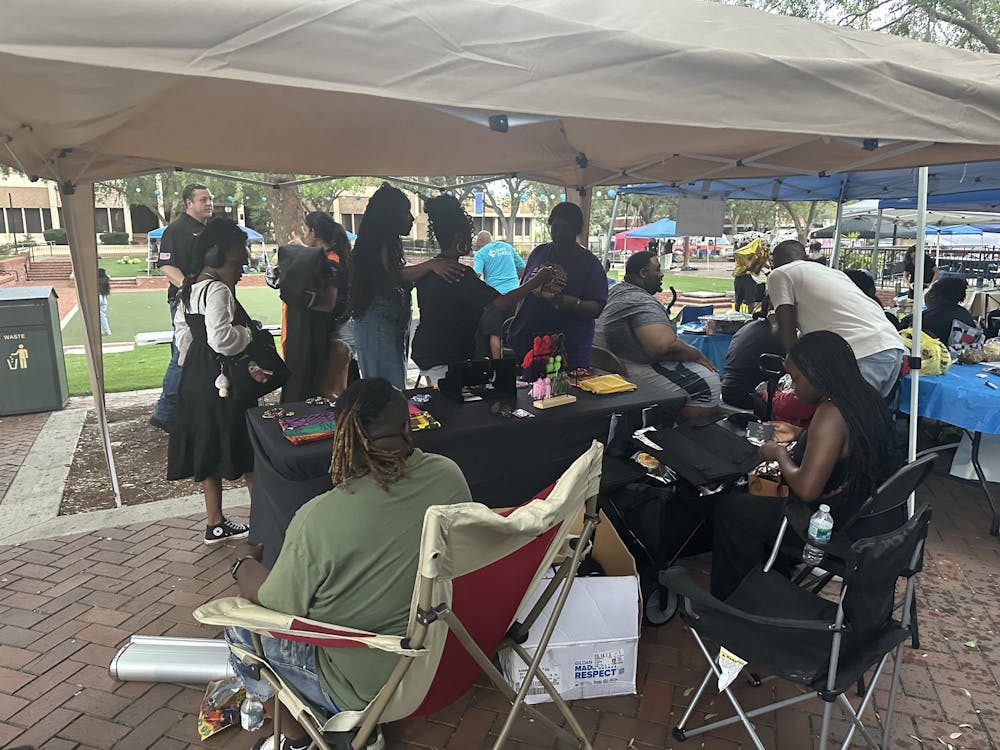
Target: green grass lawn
[124,371]
[118,270]
[686,283]
[130,313]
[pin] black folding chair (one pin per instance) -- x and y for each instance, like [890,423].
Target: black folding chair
[798,636]
[772,366]
[602,359]
[884,511]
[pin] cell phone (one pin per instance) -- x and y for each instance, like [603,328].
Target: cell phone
[758,431]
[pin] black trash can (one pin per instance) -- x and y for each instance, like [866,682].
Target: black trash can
[32,367]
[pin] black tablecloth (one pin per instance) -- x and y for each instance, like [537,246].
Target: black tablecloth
[505,460]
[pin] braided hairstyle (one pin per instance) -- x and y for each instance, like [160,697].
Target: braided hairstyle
[219,238]
[450,225]
[367,403]
[379,229]
[830,365]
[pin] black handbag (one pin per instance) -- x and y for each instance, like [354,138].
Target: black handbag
[258,369]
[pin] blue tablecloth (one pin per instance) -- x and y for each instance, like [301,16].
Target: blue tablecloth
[713,347]
[957,397]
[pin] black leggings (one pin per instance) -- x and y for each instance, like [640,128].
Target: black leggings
[745,529]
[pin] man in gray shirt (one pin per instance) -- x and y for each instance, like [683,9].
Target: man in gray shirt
[636,329]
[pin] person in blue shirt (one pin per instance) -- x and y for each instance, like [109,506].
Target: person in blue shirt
[498,263]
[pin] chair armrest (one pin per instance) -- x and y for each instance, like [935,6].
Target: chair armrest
[678,580]
[234,611]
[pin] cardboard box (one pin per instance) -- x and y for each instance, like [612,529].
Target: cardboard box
[593,650]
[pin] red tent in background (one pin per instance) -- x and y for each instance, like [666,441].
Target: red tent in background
[633,244]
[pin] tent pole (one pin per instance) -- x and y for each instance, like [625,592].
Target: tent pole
[835,260]
[918,318]
[78,212]
[611,229]
[878,237]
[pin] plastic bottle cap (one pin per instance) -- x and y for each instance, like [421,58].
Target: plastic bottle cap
[825,508]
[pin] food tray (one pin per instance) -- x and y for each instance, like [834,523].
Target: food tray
[730,323]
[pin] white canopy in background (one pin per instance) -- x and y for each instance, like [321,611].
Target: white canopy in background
[395,87]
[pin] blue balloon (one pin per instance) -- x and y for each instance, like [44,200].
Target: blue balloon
[229,198]
[357,197]
[329,197]
[263,199]
[562,196]
[156,192]
[524,196]
[612,192]
[450,193]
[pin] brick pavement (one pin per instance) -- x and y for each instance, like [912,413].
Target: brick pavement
[66,604]
[19,435]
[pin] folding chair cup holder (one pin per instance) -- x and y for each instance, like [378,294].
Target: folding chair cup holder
[476,568]
[825,645]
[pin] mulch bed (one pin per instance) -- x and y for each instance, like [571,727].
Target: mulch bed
[140,452]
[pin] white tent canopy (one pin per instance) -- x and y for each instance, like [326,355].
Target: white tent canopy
[391,87]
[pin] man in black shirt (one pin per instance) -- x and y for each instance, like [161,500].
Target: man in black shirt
[742,373]
[174,261]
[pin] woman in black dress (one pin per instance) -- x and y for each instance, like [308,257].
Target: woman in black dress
[314,349]
[848,450]
[208,435]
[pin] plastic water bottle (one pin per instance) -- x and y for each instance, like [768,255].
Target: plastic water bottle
[820,529]
[251,713]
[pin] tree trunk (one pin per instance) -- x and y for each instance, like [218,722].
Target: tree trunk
[284,207]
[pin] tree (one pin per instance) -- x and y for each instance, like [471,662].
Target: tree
[802,215]
[971,24]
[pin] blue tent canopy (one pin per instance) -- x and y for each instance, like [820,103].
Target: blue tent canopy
[251,234]
[969,200]
[991,228]
[954,229]
[656,230]
[880,183]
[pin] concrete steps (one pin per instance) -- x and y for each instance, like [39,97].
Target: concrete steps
[53,269]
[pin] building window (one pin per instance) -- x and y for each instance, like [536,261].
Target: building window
[15,220]
[59,212]
[118,219]
[33,220]
[46,218]
[352,222]
[3,223]
[101,222]
[523,227]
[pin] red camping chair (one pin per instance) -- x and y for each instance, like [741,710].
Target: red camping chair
[476,568]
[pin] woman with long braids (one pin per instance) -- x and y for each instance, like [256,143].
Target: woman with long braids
[381,283]
[450,313]
[208,435]
[316,355]
[847,451]
[350,555]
